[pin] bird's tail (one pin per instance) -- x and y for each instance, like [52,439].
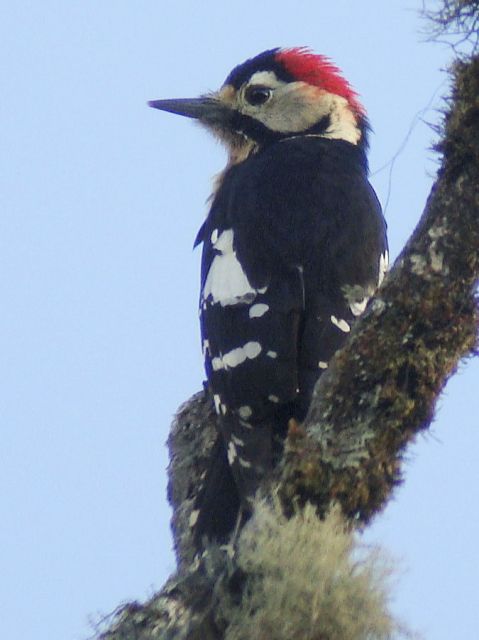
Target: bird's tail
[218,501]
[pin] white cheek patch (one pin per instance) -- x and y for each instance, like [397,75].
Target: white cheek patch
[227,283]
[298,106]
[294,108]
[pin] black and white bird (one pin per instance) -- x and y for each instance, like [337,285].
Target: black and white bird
[294,246]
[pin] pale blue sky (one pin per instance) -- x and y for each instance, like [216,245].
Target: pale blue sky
[101,198]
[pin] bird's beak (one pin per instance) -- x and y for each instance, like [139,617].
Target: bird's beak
[207,109]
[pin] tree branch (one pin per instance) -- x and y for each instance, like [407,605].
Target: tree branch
[382,387]
[457,20]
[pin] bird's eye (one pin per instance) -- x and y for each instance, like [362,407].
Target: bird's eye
[257,95]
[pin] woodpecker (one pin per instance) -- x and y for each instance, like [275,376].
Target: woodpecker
[294,246]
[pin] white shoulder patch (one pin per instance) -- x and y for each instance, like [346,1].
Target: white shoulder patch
[226,282]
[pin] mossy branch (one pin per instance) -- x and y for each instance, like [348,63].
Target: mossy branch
[378,393]
[382,387]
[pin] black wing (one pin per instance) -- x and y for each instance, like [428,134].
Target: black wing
[293,248]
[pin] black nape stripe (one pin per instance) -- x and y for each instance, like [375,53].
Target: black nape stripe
[319,127]
[263,136]
[254,129]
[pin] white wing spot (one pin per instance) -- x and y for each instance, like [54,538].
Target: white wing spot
[238,442]
[272,354]
[217,363]
[237,356]
[223,409]
[357,308]
[258,310]
[383,266]
[252,349]
[244,463]
[341,324]
[217,401]
[194,517]
[214,236]
[231,453]
[273,398]
[322,364]
[245,412]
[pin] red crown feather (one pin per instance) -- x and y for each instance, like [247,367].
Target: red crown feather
[318,70]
